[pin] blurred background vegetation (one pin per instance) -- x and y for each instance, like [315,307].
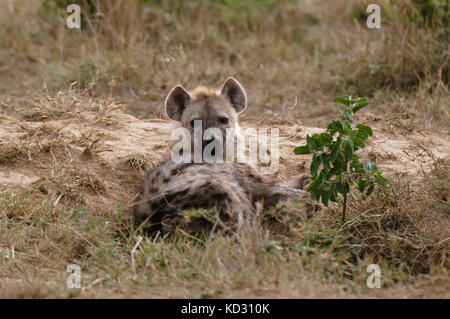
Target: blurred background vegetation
[293,57]
[286,53]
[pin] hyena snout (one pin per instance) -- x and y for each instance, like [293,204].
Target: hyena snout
[210,142]
[213,141]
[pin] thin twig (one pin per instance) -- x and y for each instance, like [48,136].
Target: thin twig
[133,266]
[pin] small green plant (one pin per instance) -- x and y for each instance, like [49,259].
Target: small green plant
[335,165]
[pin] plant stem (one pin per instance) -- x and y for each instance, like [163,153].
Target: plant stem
[345,197]
[343,209]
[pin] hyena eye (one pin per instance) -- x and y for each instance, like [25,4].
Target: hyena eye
[223,120]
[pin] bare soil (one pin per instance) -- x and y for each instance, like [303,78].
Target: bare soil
[98,156]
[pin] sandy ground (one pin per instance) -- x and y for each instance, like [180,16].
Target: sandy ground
[105,153]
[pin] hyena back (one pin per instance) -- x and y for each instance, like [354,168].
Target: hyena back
[231,189]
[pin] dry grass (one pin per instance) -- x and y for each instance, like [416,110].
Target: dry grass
[139,161]
[9,152]
[293,57]
[280,51]
[289,257]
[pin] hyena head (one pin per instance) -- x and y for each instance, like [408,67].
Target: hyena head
[216,111]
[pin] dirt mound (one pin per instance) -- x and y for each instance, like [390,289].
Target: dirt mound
[92,152]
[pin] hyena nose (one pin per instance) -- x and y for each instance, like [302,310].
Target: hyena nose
[207,141]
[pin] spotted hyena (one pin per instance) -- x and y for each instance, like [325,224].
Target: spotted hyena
[229,190]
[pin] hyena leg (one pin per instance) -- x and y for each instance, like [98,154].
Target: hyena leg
[301,182]
[280,192]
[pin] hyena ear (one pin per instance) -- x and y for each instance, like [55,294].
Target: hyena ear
[233,91]
[176,102]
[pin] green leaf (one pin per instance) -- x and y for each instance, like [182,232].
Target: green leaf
[311,186]
[346,188]
[361,135]
[326,193]
[359,106]
[332,172]
[302,150]
[315,165]
[381,180]
[358,141]
[366,129]
[317,141]
[342,100]
[311,143]
[325,161]
[325,139]
[333,196]
[339,187]
[322,175]
[370,189]
[335,126]
[357,166]
[335,150]
[339,164]
[346,115]
[347,127]
[315,195]
[361,185]
[349,150]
